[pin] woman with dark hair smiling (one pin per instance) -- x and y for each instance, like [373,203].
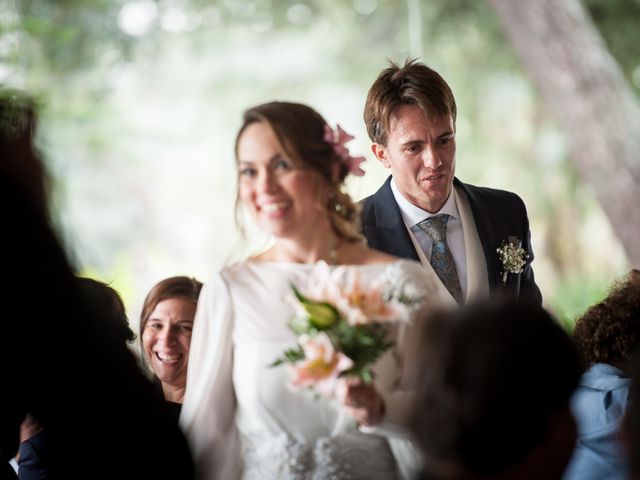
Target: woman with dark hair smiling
[166,323]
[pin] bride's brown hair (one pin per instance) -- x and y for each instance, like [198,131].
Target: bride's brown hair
[299,130]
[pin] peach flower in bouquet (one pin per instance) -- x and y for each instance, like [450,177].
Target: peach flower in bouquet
[342,321]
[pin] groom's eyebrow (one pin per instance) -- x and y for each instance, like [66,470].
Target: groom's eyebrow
[450,133]
[412,142]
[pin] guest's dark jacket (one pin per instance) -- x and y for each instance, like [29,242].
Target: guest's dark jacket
[498,215]
[60,362]
[34,457]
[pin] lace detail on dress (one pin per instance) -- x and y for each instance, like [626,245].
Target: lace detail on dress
[343,457]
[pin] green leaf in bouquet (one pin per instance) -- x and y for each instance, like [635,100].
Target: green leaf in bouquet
[321,314]
[363,344]
[291,355]
[367,375]
[362,372]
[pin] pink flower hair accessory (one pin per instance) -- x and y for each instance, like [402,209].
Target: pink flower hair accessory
[338,140]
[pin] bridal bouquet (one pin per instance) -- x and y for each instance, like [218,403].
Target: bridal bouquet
[342,320]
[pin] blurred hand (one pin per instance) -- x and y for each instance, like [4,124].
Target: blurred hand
[28,428]
[361,401]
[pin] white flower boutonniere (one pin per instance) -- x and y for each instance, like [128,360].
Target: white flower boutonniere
[513,257]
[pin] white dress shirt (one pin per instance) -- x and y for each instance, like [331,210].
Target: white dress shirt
[412,215]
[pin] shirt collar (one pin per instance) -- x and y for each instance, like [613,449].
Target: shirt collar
[412,214]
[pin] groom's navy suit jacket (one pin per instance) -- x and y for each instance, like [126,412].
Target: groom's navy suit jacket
[498,215]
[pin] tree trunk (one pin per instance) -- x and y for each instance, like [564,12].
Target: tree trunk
[585,89]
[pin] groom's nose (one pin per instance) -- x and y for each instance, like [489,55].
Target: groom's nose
[430,157]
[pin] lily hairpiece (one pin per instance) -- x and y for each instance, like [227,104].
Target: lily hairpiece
[337,140]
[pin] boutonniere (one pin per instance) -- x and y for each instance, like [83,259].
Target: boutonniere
[513,257]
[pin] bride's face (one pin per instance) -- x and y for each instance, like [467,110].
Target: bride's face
[284,199]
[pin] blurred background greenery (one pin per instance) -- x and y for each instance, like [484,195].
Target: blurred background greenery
[141,101]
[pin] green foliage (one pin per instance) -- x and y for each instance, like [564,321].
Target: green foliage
[362,344]
[618,22]
[291,355]
[70,36]
[15,109]
[574,294]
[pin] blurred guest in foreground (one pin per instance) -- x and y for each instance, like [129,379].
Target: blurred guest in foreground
[494,403]
[630,431]
[166,323]
[106,299]
[33,454]
[57,352]
[607,334]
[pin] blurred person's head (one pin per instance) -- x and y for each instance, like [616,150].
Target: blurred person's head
[20,162]
[166,323]
[101,297]
[410,114]
[290,177]
[609,331]
[631,424]
[495,382]
[51,332]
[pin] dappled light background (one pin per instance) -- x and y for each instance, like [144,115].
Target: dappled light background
[141,101]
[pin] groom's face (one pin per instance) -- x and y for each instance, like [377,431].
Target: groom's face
[421,154]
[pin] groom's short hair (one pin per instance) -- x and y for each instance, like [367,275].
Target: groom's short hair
[412,84]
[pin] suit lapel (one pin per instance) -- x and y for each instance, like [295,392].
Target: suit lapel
[477,276]
[388,232]
[490,231]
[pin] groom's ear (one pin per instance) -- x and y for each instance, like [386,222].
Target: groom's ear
[381,154]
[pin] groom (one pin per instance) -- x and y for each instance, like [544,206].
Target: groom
[422,211]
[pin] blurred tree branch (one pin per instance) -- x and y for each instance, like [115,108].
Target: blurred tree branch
[592,102]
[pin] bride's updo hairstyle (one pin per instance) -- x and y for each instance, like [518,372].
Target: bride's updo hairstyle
[300,131]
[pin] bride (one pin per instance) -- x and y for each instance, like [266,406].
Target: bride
[239,415]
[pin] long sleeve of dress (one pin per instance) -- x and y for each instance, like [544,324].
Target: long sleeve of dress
[208,412]
[396,375]
[399,400]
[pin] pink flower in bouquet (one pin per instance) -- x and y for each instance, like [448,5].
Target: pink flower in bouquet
[321,366]
[358,301]
[361,302]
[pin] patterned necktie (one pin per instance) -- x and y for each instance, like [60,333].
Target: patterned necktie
[441,258]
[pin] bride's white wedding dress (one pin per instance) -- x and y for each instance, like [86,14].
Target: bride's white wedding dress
[241,419]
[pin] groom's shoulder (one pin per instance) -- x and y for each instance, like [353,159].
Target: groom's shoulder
[489,195]
[367,209]
[368,204]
